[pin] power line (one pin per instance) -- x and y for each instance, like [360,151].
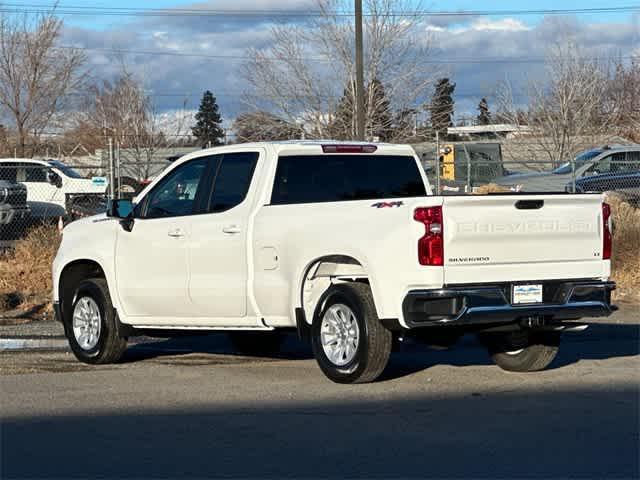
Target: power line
[221,95]
[442,61]
[81,10]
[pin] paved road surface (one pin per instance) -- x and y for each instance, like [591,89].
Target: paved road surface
[187,407]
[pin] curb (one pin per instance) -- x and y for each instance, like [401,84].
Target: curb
[33,343]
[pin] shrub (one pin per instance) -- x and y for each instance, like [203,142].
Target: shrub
[626,246]
[25,270]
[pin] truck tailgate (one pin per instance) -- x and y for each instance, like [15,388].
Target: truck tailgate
[500,238]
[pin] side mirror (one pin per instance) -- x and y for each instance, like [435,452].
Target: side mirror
[119,208]
[122,209]
[54,179]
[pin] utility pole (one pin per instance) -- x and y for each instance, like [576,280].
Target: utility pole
[359,73]
[112,177]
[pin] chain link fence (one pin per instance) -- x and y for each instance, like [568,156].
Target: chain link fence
[53,191]
[456,168]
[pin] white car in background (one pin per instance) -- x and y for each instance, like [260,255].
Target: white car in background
[48,182]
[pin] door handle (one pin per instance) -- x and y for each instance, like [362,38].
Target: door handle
[231,229]
[176,232]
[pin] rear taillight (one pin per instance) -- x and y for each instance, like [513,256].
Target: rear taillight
[342,148]
[606,231]
[431,244]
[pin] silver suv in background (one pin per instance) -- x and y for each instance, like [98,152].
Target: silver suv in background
[608,160]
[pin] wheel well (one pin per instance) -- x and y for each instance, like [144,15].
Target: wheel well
[322,273]
[71,276]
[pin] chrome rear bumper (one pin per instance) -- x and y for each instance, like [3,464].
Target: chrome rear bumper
[487,304]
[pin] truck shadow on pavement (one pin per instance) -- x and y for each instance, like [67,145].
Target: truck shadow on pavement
[600,341]
[578,432]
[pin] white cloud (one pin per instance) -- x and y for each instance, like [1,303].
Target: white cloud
[489,25]
[478,38]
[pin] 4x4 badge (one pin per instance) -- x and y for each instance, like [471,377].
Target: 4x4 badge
[387,204]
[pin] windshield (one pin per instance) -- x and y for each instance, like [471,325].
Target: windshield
[68,171]
[579,161]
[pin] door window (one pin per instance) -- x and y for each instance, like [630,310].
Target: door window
[633,162]
[36,173]
[175,195]
[232,180]
[8,172]
[609,164]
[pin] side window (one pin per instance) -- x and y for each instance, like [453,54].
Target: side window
[232,180]
[175,195]
[607,164]
[633,162]
[36,173]
[21,173]
[8,172]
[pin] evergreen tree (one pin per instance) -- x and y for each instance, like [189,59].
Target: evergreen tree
[378,116]
[484,115]
[441,108]
[342,126]
[208,129]
[378,108]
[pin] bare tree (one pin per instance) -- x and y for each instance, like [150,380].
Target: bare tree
[123,111]
[567,108]
[35,76]
[261,126]
[624,98]
[306,74]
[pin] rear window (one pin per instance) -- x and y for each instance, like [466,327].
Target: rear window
[338,178]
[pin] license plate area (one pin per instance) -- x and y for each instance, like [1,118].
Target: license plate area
[525,294]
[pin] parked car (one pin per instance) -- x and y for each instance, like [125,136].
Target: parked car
[48,183]
[625,183]
[14,211]
[345,243]
[609,159]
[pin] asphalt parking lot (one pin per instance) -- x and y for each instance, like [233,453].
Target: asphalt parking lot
[190,407]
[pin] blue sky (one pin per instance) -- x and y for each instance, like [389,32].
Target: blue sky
[452,5]
[510,38]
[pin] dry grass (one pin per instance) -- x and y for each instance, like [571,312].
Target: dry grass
[626,247]
[25,271]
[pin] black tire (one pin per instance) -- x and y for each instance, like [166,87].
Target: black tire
[522,351]
[110,347]
[256,343]
[375,341]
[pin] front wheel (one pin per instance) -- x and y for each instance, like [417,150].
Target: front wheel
[349,342]
[91,324]
[522,351]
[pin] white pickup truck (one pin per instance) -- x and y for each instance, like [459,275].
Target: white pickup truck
[345,243]
[48,183]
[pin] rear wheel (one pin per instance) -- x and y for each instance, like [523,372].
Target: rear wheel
[522,351]
[91,325]
[349,342]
